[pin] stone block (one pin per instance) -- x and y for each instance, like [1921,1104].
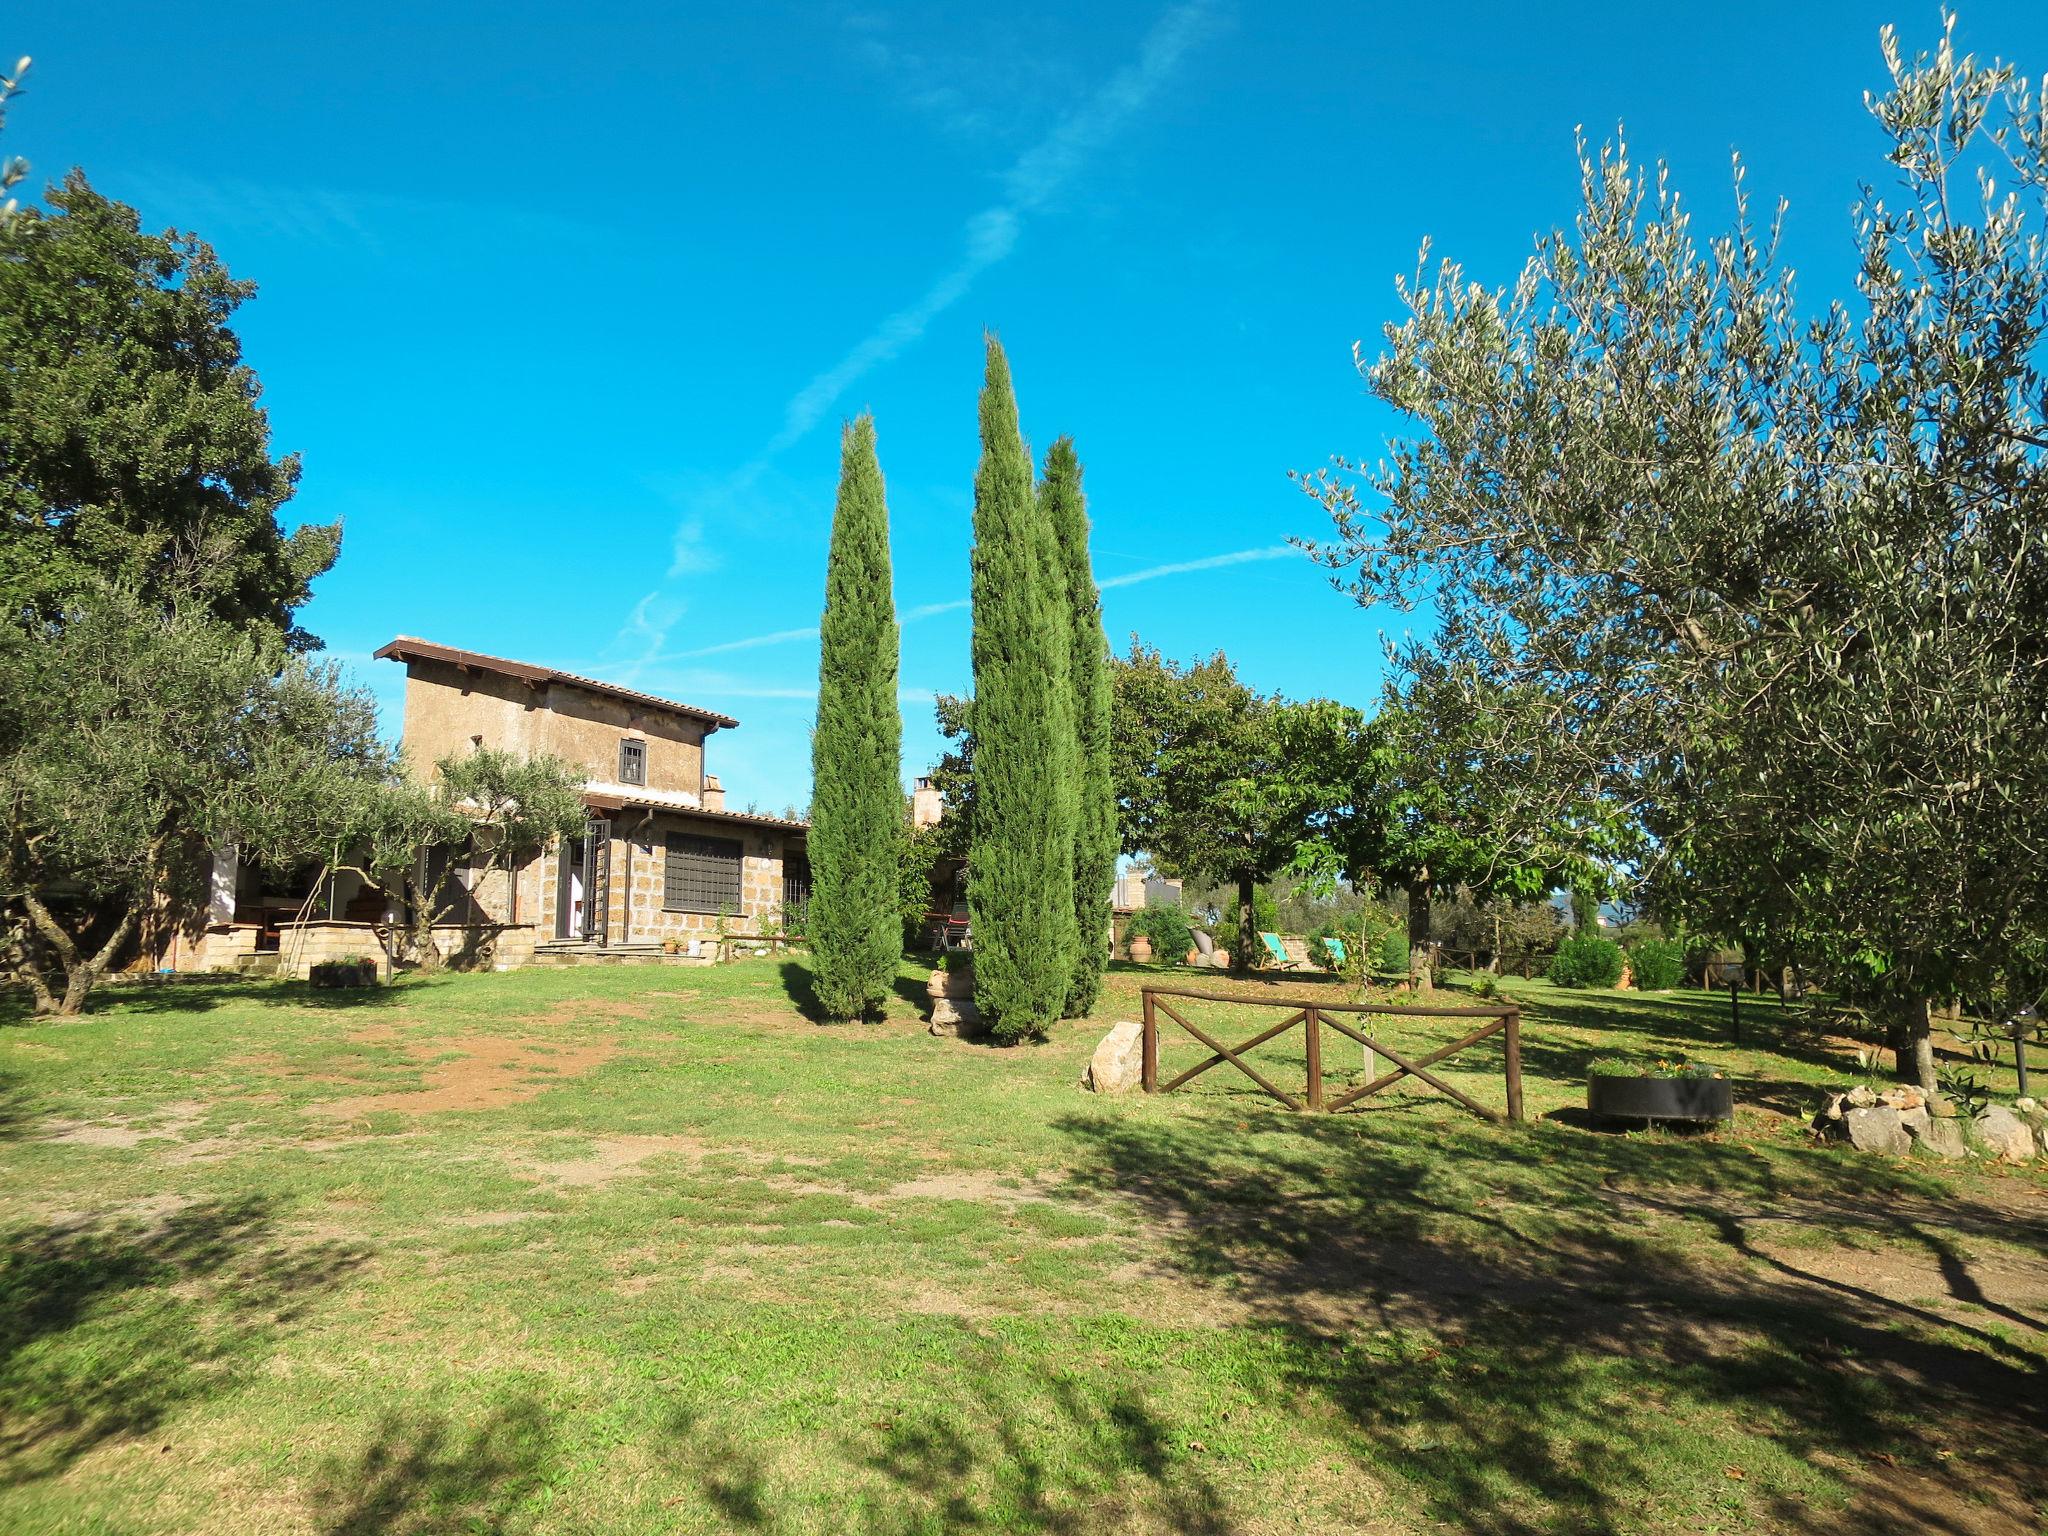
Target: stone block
[1119,1061]
[1877,1130]
[1943,1138]
[2004,1135]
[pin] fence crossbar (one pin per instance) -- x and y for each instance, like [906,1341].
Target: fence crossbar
[1217,1060]
[1231,1055]
[1417,1068]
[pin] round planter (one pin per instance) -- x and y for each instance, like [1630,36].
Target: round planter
[1661,1098]
[1141,948]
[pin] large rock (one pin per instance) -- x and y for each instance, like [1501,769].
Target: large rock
[1944,1138]
[1877,1130]
[957,1016]
[1118,1064]
[1915,1121]
[2005,1135]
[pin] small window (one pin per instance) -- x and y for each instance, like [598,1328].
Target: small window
[701,874]
[632,762]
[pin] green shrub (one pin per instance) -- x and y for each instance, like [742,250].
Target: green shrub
[1168,929]
[1658,964]
[1393,955]
[1586,960]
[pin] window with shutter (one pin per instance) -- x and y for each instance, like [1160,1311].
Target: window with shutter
[701,874]
[632,762]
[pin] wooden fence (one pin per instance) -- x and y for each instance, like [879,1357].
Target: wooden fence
[1505,1021]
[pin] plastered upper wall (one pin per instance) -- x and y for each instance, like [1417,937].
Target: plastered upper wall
[447,708]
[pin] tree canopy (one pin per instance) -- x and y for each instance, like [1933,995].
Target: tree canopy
[133,742]
[1020,887]
[133,447]
[1770,578]
[857,820]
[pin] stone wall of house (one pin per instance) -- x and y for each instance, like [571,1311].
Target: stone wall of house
[219,947]
[447,709]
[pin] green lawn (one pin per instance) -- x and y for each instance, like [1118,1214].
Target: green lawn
[641,1250]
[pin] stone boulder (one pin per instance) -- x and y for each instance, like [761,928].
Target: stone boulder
[1876,1130]
[1118,1064]
[1944,1139]
[2005,1135]
[957,1016]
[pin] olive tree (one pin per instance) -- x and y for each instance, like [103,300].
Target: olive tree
[134,741]
[486,811]
[1770,577]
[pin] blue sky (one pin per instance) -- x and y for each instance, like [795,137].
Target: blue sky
[563,306]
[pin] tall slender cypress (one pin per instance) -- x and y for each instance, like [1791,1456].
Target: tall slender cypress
[856,751]
[1020,888]
[1095,833]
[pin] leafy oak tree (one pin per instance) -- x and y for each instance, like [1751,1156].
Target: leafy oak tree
[857,813]
[1770,576]
[133,448]
[1223,784]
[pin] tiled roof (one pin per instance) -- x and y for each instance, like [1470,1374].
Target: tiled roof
[622,796]
[407,648]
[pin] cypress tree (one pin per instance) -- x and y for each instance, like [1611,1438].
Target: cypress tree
[1020,889]
[1095,836]
[857,791]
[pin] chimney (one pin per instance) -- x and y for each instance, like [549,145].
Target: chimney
[714,793]
[925,809]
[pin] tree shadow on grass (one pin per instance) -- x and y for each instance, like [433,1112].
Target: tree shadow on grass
[108,1327]
[802,991]
[202,994]
[1005,1451]
[421,1476]
[1539,1330]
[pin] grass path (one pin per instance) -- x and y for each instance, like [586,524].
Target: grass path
[642,1250]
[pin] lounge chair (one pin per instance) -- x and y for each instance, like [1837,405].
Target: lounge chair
[1276,954]
[1335,946]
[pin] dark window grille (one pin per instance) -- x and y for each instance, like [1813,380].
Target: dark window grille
[701,874]
[796,886]
[632,762]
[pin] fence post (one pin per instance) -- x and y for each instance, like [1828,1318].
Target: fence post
[1514,1033]
[1150,1071]
[1315,1059]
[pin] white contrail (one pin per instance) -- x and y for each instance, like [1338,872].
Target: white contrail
[930,610]
[748,644]
[1207,563]
[1038,175]
[988,237]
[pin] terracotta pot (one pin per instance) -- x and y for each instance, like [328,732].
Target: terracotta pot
[1192,957]
[1140,948]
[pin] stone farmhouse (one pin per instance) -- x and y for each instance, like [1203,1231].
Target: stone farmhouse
[661,858]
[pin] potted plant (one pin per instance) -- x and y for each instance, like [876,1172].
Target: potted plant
[1665,1090]
[1139,947]
[671,945]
